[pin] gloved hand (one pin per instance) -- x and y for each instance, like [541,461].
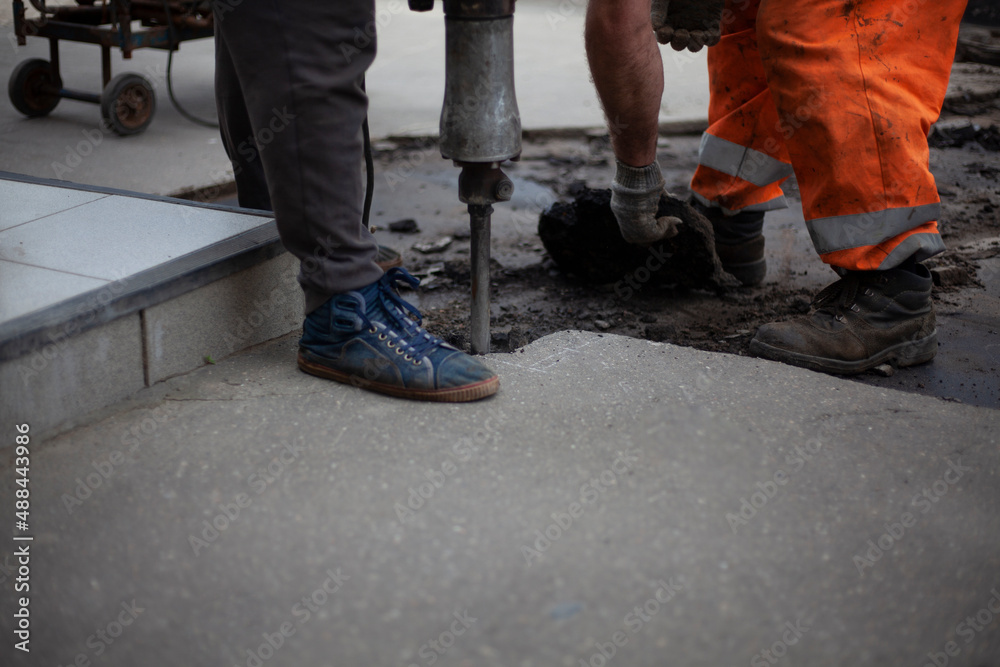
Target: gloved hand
[635,197]
[687,24]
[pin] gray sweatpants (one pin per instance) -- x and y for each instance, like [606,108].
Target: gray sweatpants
[288,89]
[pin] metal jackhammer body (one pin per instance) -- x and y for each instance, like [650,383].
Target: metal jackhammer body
[480,127]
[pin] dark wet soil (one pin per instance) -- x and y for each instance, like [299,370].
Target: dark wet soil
[540,292]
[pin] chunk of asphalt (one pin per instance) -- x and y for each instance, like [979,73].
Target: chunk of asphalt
[583,239]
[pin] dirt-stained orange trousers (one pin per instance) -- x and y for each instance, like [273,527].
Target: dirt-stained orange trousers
[843,93]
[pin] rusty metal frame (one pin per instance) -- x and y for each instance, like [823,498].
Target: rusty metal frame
[110,26]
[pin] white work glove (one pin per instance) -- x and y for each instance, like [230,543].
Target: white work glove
[687,24]
[635,198]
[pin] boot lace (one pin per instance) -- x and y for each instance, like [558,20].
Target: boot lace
[413,339]
[838,296]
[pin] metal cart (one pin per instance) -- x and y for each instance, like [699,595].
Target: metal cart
[127,101]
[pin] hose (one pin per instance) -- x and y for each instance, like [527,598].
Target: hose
[369,167]
[40,6]
[170,81]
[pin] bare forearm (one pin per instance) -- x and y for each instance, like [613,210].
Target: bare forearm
[628,74]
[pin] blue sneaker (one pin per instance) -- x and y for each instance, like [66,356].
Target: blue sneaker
[367,338]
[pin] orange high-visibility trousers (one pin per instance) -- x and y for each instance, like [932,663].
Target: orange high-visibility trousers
[843,93]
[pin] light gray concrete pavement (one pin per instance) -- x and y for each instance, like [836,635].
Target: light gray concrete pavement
[406,85]
[366,524]
[695,508]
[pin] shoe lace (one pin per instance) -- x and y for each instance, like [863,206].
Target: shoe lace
[836,296]
[414,339]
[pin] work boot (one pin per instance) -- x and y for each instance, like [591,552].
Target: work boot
[368,338]
[864,320]
[739,242]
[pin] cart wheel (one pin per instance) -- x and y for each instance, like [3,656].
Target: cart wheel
[128,104]
[34,87]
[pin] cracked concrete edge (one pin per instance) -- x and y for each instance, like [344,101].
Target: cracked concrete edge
[749,380]
[743,372]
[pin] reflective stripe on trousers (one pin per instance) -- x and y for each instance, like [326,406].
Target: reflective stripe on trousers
[845,93]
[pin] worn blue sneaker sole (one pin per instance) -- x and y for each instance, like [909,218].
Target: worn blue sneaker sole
[471,392]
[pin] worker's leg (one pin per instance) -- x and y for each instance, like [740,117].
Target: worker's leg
[879,70]
[237,131]
[627,68]
[628,73]
[299,65]
[241,145]
[859,84]
[742,158]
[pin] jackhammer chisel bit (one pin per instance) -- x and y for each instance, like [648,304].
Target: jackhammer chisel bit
[480,127]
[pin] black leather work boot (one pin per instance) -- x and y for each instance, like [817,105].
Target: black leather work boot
[739,242]
[864,320]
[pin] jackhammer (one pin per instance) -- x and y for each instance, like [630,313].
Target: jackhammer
[480,127]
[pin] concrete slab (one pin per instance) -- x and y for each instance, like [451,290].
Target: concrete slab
[27,288]
[73,376]
[116,236]
[101,292]
[617,497]
[246,308]
[36,201]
